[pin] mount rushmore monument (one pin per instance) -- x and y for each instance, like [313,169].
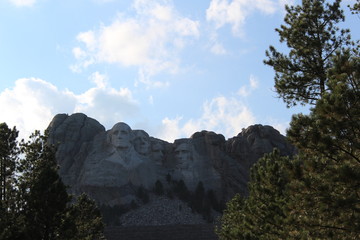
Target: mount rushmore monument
[110,165]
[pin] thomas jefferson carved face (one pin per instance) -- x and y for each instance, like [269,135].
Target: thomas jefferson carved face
[120,135]
[141,142]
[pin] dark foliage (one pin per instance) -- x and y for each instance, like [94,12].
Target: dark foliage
[143,194]
[159,189]
[111,214]
[40,206]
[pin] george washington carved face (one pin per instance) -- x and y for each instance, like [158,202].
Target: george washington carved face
[120,135]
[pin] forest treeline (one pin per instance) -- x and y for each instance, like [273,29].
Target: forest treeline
[34,203]
[315,194]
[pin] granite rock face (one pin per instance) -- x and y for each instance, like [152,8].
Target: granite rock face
[72,136]
[111,165]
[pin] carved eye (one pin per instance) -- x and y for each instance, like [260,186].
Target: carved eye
[116,132]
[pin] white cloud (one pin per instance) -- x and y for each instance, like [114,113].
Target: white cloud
[108,106]
[100,80]
[254,83]
[32,103]
[246,90]
[170,129]
[218,49]
[151,40]
[23,3]
[278,125]
[79,53]
[222,115]
[235,12]
[225,115]
[88,39]
[151,100]
[103,1]
[215,46]
[282,3]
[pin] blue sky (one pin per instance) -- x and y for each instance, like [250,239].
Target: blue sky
[169,67]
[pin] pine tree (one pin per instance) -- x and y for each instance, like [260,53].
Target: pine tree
[86,219]
[34,201]
[325,199]
[231,221]
[198,197]
[263,215]
[159,189]
[44,195]
[329,139]
[356,7]
[8,163]
[8,159]
[312,36]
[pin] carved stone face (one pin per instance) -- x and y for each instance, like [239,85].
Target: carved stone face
[183,155]
[120,135]
[141,142]
[157,153]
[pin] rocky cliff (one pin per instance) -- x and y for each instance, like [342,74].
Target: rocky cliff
[111,165]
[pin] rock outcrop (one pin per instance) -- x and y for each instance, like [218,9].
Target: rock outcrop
[72,135]
[111,165]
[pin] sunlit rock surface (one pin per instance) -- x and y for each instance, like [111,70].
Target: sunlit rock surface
[111,165]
